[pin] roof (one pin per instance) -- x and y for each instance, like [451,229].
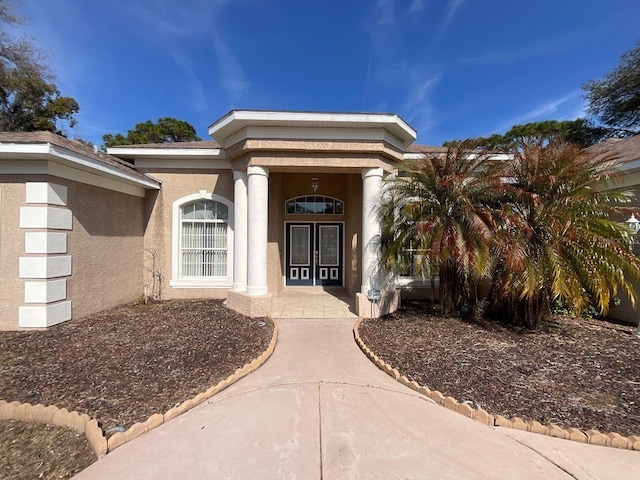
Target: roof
[169,145]
[75,147]
[426,149]
[622,149]
[238,121]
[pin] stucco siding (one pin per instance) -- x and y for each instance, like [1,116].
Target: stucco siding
[12,197]
[158,220]
[106,246]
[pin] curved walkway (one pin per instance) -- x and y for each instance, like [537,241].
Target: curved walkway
[318,409]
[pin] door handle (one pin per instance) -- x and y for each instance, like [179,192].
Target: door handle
[317,256]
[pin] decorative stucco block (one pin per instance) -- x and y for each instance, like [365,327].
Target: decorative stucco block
[395,373]
[46,217]
[45,192]
[21,412]
[7,410]
[200,398]
[45,267]
[39,316]
[45,291]
[45,242]
[403,380]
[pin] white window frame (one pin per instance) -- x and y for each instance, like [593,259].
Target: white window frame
[176,224]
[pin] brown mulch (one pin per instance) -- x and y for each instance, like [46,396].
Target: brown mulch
[59,452]
[122,365]
[572,372]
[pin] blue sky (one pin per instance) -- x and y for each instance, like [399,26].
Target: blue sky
[451,68]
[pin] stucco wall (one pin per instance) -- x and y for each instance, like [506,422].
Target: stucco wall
[158,220]
[105,245]
[12,197]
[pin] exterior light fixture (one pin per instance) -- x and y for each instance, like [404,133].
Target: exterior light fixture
[633,223]
[315,183]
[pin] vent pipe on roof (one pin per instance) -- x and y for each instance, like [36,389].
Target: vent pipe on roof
[95,149]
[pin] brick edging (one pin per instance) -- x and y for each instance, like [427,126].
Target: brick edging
[594,437]
[100,445]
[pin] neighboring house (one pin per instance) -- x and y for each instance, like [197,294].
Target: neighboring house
[278,199]
[626,152]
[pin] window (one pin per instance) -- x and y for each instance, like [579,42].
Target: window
[203,239]
[202,242]
[314,205]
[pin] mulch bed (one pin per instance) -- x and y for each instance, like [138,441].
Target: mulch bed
[572,372]
[59,452]
[122,365]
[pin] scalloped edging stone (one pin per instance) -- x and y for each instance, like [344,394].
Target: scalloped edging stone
[100,445]
[81,423]
[594,437]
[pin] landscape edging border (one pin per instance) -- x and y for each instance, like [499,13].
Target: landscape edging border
[100,445]
[594,437]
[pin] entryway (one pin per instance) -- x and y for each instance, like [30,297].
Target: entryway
[313,302]
[314,254]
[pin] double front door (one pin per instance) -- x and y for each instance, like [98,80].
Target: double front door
[314,253]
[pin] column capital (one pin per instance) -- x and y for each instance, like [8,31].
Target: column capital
[239,175]
[372,172]
[257,170]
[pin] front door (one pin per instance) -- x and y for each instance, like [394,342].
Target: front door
[314,253]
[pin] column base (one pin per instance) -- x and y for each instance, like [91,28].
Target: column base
[389,303]
[252,306]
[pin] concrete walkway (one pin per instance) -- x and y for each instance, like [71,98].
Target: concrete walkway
[318,409]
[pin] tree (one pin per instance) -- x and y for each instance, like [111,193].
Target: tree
[557,237]
[579,131]
[29,100]
[436,220]
[166,130]
[615,100]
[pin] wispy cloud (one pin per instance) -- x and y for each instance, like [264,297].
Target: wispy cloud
[452,9]
[558,108]
[174,22]
[198,96]
[233,78]
[385,12]
[416,6]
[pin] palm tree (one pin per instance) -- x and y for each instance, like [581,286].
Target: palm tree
[436,219]
[558,238]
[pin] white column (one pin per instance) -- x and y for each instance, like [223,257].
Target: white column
[257,226]
[370,243]
[240,232]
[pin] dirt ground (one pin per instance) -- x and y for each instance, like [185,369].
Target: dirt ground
[572,372]
[122,365]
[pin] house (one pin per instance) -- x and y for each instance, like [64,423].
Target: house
[278,199]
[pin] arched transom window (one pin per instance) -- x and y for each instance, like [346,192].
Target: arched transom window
[203,239]
[314,205]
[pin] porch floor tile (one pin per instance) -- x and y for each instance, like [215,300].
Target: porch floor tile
[313,302]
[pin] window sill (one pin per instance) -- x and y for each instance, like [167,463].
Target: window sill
[195,283]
